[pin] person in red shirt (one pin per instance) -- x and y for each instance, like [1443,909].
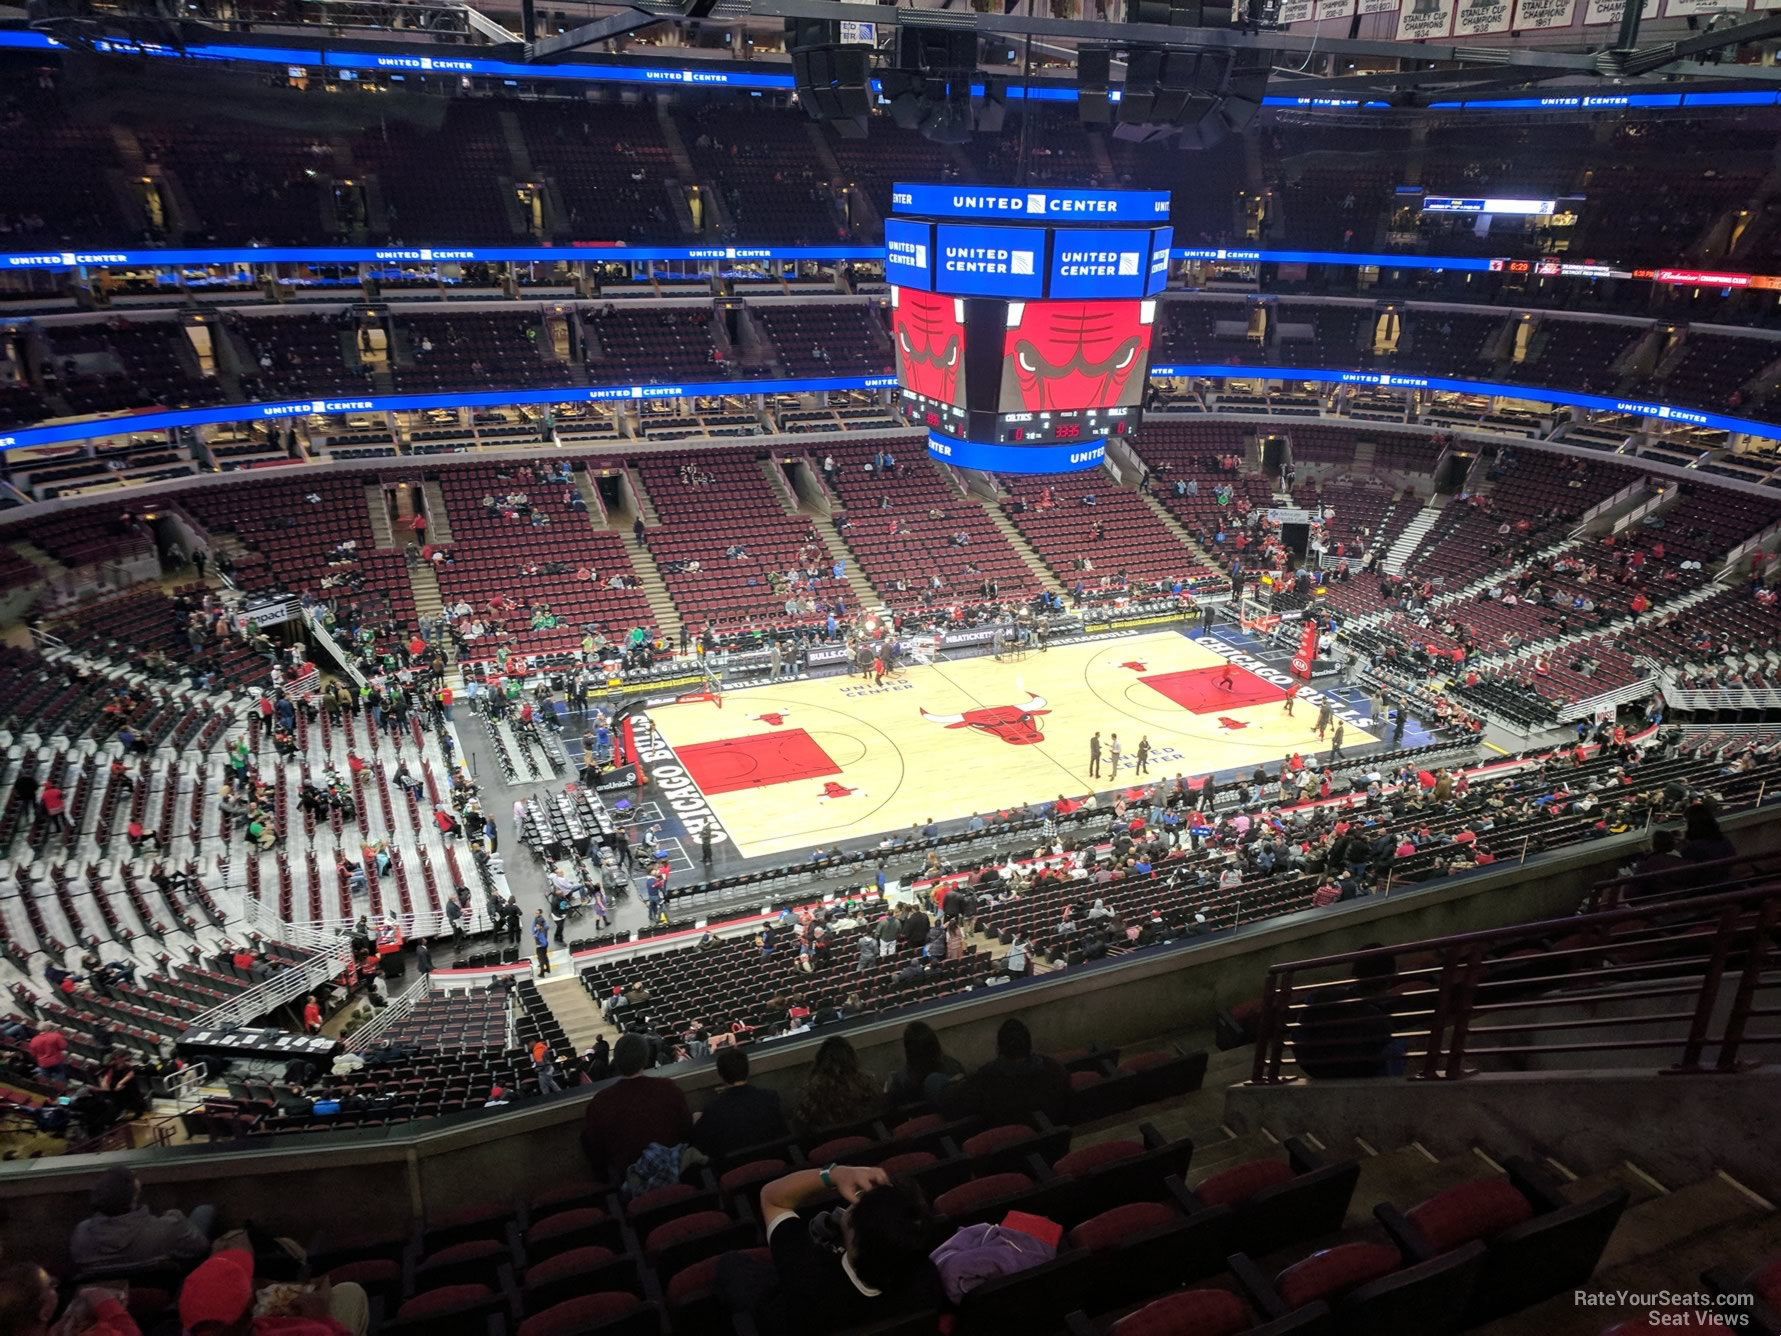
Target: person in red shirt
[217,1299]
[51,798]
[417,648]
[49,1050]
[632,1112]
[312,1015]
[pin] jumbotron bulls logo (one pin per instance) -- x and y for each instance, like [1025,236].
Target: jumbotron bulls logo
[1070,355]
[1014,724]
[930,334]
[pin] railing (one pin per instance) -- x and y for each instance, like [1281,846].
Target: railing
[1606,504]
[1677,980]
[394,1010]
[285,986]
[325,638]
[1645,508]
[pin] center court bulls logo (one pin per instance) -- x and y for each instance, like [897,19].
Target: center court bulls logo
[1014,724]
[1223,722]
[775,719]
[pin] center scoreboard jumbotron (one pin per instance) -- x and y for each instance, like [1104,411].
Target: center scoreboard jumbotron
[1023,318]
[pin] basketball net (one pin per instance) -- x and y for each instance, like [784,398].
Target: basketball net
[1254,618]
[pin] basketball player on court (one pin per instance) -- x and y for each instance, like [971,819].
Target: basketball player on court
[1291,692]
[1094,757]
[1225,681]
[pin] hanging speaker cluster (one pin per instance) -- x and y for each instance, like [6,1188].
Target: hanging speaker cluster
[1197,97]
[833,80]
[929,91]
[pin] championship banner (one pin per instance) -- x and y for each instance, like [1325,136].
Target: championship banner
[1533,14]
[1609,11]
[1422,19]
[1307,655]
[1295,11]
[1333,9]
[1692,8]
[1478,17]
[1378,6]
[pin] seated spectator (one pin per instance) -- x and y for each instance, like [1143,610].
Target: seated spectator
[219,1299]
[28,1301]
[121,1235]
[837,1091]
[1346,1030]
[739,1115]
[635,1112]
[1012,1086]
[926,1071]
[862,1263]
[1702,839]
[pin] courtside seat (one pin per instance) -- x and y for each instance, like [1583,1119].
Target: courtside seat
[452,1310]
[1538,1245]
[579,1271]
[1275,1202]
[1368,1288]
[1198,1313]
[611,1313]
[680,1242]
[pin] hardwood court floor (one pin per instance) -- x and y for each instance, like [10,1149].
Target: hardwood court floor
[799,764]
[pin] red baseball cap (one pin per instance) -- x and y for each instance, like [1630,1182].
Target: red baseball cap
[219,1291]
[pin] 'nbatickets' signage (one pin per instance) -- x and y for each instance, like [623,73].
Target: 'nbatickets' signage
[1012,204]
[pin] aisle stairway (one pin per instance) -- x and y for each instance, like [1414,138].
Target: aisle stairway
[438,521]
[1176,527]
[1028,554]
[380,517]
[1407,541]
[575,1012]
[864,596]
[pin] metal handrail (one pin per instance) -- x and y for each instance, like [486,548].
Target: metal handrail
[1652,962]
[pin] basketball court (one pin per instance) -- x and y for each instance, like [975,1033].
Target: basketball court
[796,764]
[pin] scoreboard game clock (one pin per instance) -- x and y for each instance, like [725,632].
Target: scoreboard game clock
[1023,318]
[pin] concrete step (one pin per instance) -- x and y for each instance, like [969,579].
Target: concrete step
[1405,1176]
[1662,1223]
[1028,553]
[36,556]
[1740,1244]
[1218,1155]
[574,1010]
[864,596]
[1175,527]
[381,532]
[655,590]
[1640,1186]
[640,494]
[781,486]
[438,521]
